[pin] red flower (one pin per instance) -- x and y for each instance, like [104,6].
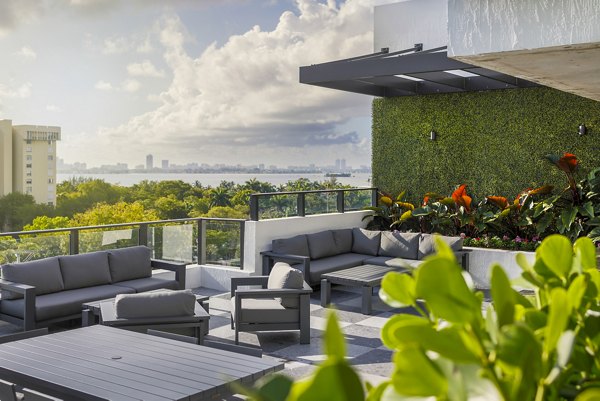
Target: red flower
[568,163]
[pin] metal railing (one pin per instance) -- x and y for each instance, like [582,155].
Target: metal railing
[287,208]
[200,240]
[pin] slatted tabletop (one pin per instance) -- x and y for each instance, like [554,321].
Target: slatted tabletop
[364,275]
[105,363]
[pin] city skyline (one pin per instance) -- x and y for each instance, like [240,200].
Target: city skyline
[209,81]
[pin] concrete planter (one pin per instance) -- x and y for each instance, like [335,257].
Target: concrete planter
[481,260]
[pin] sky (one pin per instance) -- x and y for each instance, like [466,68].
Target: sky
[202,81]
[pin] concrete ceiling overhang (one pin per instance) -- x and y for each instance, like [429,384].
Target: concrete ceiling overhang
[569,68]
[406,73]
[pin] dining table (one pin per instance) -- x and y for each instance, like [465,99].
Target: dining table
[106,363]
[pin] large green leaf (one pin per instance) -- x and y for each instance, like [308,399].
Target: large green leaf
[334,343]
[396,324]
[556,252]
[587,209]
[502,296]
[590,394]
[519,347]
[332,381]
[398,290]
[576,291]
[416,375]
[568,217]
[585,254]
[422,211]
[558,317]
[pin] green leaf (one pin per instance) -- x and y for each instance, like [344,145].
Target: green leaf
[590,394]
[334,380]
[395,325]
[398,290]
[274,387]
[416,375]
[568,217]
[502,296]
[585,254]
[587,209]
[556,252]
[334,343]
[422,211]
[518,347]
[558,317]
[523,262]
[576,291]
[542,224]
[443,249]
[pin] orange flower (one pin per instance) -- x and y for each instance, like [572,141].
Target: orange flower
[543,190]
[461,198]
[425,200]
[568,163]
[499,201]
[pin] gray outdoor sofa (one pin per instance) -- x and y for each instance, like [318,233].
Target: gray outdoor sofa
[333,250]
[42,292]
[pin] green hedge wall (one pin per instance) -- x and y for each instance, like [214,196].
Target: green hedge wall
[492,141]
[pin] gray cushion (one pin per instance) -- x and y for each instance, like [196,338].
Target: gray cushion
[155,304]
[129,263]
[283,276]
[393,262]
[291,246]
[64,303]
[343,240]
[85,270]
[333,263]
[321,244]
[149,284]
[265,311]
[43,274]
[399,245]
[427,245]
[365,241]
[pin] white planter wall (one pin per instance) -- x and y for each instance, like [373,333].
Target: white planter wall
[481,260]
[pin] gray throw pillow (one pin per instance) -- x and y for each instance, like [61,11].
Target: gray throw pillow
[283,276]
[365,242]
[43,274]
[85,270]
[343,240]
[297,245]
[321,244]
[399,245]
[427,244]
[129,263]
[155,304]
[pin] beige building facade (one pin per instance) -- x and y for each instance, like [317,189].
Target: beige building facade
[28,160]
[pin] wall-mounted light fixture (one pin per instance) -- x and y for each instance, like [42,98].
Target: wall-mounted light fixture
[432,135]
[582,129]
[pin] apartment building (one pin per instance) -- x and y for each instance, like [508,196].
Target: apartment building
[28,160]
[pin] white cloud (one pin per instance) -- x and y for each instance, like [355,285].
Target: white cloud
[130,85]
[145,47]
[116,45]
[144,69]
[27,52]
[103,86]
[53,108]
[10,92]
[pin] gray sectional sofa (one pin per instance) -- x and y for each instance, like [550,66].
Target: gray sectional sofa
[42,292]
[332,250]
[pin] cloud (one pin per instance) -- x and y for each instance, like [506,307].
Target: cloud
[116,45]
[103,86]
[129,85]
[10,92]
[144,69]
[53,108]
[27,53]
[246,92]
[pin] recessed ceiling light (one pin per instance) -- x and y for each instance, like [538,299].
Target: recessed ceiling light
[409,78]
[461,73]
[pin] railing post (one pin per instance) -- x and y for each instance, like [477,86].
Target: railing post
[254,207]
[242,239]
[340,201]
[74,242]
[374,197]
[143,234]
[201,241]
[301,206]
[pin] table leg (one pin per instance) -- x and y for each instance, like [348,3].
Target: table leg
[325,292]
[87,318]
[367,296]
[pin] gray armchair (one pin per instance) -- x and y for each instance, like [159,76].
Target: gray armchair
[259,309]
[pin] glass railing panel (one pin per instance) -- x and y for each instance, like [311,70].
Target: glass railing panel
[278,206]
[320,202]
[100,240]
[223,243]
[357,200]
[33,247]
[175,242]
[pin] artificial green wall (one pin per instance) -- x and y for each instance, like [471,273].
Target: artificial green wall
[493,141]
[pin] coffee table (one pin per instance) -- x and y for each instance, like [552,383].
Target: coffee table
[365,276]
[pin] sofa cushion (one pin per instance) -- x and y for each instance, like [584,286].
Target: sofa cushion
[265,311]
[365,241]
[393,262]
[399,245]
[343,240]
[155,304]
[321,244]
[149,284]
[85,270]
[129,263]
[283,276]
[63,303]
[333,263]
[297,245]
[43,274]
[427,244]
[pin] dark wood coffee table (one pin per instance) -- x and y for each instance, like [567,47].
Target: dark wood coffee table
[365,276]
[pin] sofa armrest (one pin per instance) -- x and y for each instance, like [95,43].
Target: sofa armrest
[251,280]
[271,293]
[269,257]
[463,258]
[177,267]
[28,292]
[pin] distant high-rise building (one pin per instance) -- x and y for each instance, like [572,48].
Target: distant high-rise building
[343,164]
[261,166]
[149,162]
[338,164]
[165,164]
[28,160]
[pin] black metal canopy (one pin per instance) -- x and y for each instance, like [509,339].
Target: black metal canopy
[405,73]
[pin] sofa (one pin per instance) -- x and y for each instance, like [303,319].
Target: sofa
[331,250]
[42,292]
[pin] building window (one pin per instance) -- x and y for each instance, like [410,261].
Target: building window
[28,149]
[28,165]
[50,157]
[28,142]
[28,174]
[50,180]
[28,181]
[28,157]
[50,203]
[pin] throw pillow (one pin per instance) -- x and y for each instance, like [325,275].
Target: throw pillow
[321,244]
[365,242]
[43,274]
[399,245]
[427,244]
[283,276]
[297,245]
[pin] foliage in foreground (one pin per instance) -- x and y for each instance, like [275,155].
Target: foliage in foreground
[544,347]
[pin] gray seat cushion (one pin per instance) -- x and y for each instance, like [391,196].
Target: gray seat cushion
[85,270]
[333,263]
[265,311]
[129,263]
[365,241]
[283,276]
[149,284]
[321,244]
[399,245]
[343,240]
[62,303]
[297,245]
[393,262]
[43,274]
[427,245]
[155,304]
